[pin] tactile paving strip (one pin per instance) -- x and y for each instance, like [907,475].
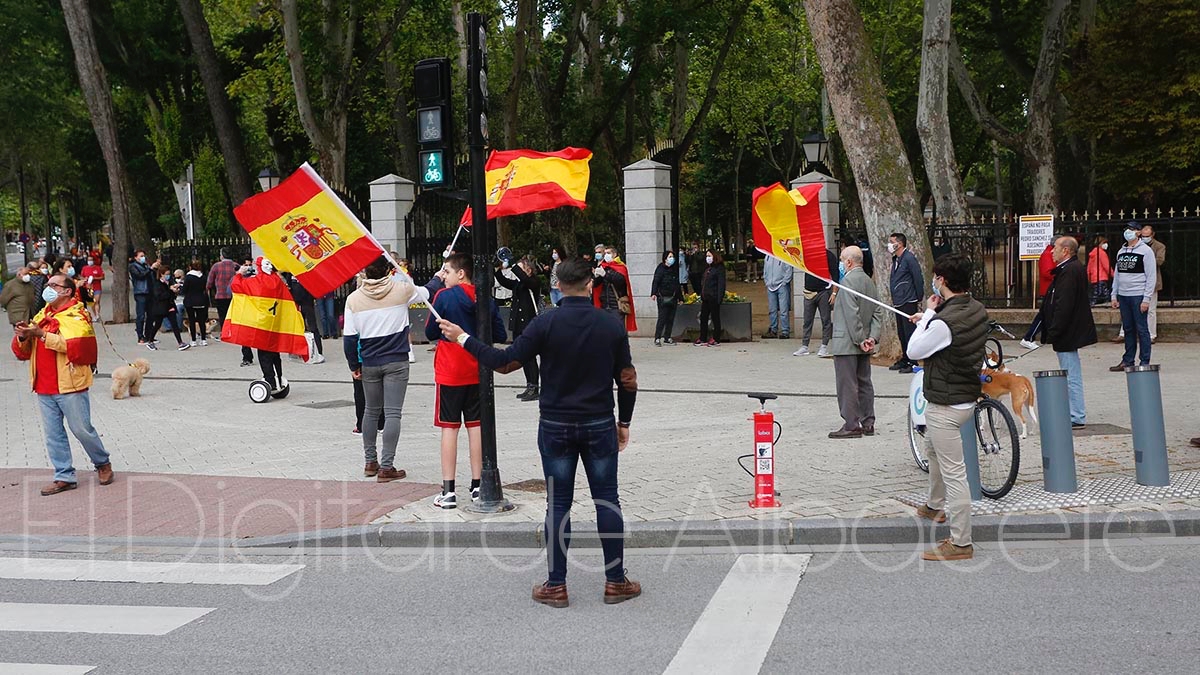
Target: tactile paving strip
[1092,492]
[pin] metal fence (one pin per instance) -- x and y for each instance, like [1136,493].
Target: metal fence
[1002,280]
[430,227]
[178,254]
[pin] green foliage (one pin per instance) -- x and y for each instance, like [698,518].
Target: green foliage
[209,175]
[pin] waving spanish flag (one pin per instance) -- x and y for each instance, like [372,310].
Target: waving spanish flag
[303,228]
[264,316]
[787,225]
[524,181]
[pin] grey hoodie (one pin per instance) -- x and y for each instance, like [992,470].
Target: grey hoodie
[1135,271]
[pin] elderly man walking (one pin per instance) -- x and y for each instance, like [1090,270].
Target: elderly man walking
[60,346]
[856,326]
[1067,320]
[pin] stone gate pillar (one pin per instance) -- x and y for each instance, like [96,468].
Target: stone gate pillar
[647,232]
[392,199]
[831,218]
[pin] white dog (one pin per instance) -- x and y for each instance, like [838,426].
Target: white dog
[127,380]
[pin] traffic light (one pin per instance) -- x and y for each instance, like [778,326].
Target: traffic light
[477,81]
[435,123]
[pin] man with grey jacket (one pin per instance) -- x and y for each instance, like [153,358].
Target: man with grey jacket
[1134,277]
[907,284]
[856,326]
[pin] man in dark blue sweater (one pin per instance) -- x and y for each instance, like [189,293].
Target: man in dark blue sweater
[584,351]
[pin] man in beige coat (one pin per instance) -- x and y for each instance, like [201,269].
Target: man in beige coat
[856,326]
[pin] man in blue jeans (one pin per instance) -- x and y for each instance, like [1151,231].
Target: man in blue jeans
[777,275]
[140,275]
[1134,278]
[1068,324]
[584,350]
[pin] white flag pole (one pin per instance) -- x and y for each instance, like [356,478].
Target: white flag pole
[450,248]
[851,291]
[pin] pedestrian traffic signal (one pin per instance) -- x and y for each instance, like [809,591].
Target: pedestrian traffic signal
[477,81]
[435,123]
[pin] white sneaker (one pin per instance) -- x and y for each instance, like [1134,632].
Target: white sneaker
[446,500]
[823,352]
[192,343]
[803,351]
[1029,345]
[204,343]
[317,359]
[412,358]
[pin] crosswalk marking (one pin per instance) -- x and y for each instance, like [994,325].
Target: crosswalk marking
[738,626]
[43,669]
[108,619]
[59,569]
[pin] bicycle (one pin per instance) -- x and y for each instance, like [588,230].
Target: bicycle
[998,462]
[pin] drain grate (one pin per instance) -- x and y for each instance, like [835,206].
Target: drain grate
[321,405]
[1102,430]
[532,485]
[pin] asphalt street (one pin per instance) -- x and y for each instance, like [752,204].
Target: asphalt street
[1086,607]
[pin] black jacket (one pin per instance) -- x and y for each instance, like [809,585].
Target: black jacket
[1067,322]
[666,283]
[612,287]
[524,289]
[713,285]
[194,293]
[162,299]
[695,263]
[814,284]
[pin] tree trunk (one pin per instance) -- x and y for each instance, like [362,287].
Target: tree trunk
[93,81]
[229,135]
[680,101]
[933,118]
[867,127]
[327,133]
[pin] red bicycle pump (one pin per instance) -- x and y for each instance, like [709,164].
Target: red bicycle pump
[764,454]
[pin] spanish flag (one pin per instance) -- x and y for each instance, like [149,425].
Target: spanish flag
[303,228]
[524,181]
[787,225]
[264,316]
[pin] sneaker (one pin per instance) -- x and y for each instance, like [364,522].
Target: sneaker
[947,550]
[217,338]
[183,346]
[769,335]
[823,352]
[192,343]
[446,500]
[785,336]
[247,363]
[474,494]
[803,351]
[657,342]
[319,358]
[700,343]
[356,431]
[204,343]
[141,341]
[151,346]
[713,343]
[669,342]
[1029,344]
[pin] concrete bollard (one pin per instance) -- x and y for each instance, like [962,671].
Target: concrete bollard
[1054,422]
[970,443]
[1149,431]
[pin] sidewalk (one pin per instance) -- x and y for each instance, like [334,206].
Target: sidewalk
[195,421]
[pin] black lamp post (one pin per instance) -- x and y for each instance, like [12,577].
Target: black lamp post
[268,178]
[816,150]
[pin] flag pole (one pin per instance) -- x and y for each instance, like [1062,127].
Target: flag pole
[450,248]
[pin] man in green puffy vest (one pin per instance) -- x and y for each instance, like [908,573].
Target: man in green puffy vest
[950,337]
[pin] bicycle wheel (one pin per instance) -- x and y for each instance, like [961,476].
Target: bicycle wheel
[999,448]
[916,443]
[993,346]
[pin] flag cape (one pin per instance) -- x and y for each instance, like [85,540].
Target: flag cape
[524,181]
[74,324]
[263,316]
[303,228]
[787,225]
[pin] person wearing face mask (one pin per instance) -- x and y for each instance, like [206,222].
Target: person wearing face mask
[696,267]
[684,274]
[38,274]
[1099,270]
[1133,289]
[611,288]
[907,283]
[60,345]
[777,275]
[1068,324]
[526,290]
[18,298]
[141,277]
[162,310]
[856,327]
[556,254]
[712,295]
[666,290]
[1160,257]
[598,256]
[93,276]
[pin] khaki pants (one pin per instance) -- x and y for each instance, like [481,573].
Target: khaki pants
[948,488]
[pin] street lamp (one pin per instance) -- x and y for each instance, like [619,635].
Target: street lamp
[268,178]
[816,150]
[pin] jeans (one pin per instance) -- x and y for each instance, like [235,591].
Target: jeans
[140,301]
[948,489]
[326,310]
[710,308]
[555,296]
[76,409]
[1069,361]
[811,306]
[666,318]
[561,445]
[360,406]
[1151,317]
[384,387]
[778,302]
[1136,328]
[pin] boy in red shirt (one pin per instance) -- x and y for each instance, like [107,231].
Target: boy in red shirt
[456,376]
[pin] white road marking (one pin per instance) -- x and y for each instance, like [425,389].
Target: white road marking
[43,669]
[737,627]
[109,619]
[59,569]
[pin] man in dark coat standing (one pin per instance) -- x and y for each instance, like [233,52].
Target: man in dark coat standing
[1067,322]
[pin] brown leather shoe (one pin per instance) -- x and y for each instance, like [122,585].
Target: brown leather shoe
[846,433]
[554,596]
[620,591]
[868,430]
[1117,339]
[1195,442]
[370,469]
[1118,368]
[928,513]
[57,487]
[387,474]
[105,473]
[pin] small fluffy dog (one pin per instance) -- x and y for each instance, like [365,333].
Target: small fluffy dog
[127,380]
[1018,388]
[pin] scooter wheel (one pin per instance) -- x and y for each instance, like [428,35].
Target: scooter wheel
[260,391]
[282,393]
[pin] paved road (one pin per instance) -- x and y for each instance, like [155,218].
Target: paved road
[15,260]
[1062,608]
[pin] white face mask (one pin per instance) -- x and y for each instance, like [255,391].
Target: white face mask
[554,256]
[1130,236]
[892,247]
[267,267]
[708,259]
[608,257]
[1104,246]
[25,278]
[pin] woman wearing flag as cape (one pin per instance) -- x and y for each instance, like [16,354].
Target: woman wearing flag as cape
[263,316]
[611,292]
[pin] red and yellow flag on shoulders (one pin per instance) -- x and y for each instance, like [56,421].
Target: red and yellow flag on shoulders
[303,228]
[264,316]
[787,225]
[524,181]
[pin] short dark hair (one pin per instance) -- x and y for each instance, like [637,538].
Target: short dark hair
[955,269]
[379,268]
[573,274]
[462,262]
[667,254]
[899,236]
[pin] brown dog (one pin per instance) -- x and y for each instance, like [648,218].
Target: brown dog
[127,380]
[1018,388]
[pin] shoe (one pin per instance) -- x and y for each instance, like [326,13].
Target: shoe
[446,500]
[554,596]
[803,351]
[316,360]
[846,433]
[247,363]
[1195,442]
[1077,425]
[1153,339]
[192,343]
[657,342]
[620,591]
[785,336]
[868,430]
[823,352]
[217,338]
[387,474]
[183,346]
[204,343]
[356,431]
[531,393]
[669,342]
[947,550]
[936,515]
[57,487]
[1029,344]
[105,473]
[412,357]
[713,343]
[151,346]
[770,335]
[141,341]
[700,343]
[1119,367]
[370,469]
[1117,339]
[898,365]
[474,494]
[906,370]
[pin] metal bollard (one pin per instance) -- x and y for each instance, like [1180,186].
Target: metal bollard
[1149,431]
[970,443]
[1054,422]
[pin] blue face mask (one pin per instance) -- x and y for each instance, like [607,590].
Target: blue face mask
[71,271]
[936,291]
[599,255]
[670,260]
[841,269]
[49,294]
[1130,235]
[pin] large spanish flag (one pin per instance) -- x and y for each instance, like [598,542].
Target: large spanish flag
[264,316]
[303,228]
[787,225]
[524,181]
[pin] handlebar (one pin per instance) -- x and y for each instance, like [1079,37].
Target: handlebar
[995,326]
